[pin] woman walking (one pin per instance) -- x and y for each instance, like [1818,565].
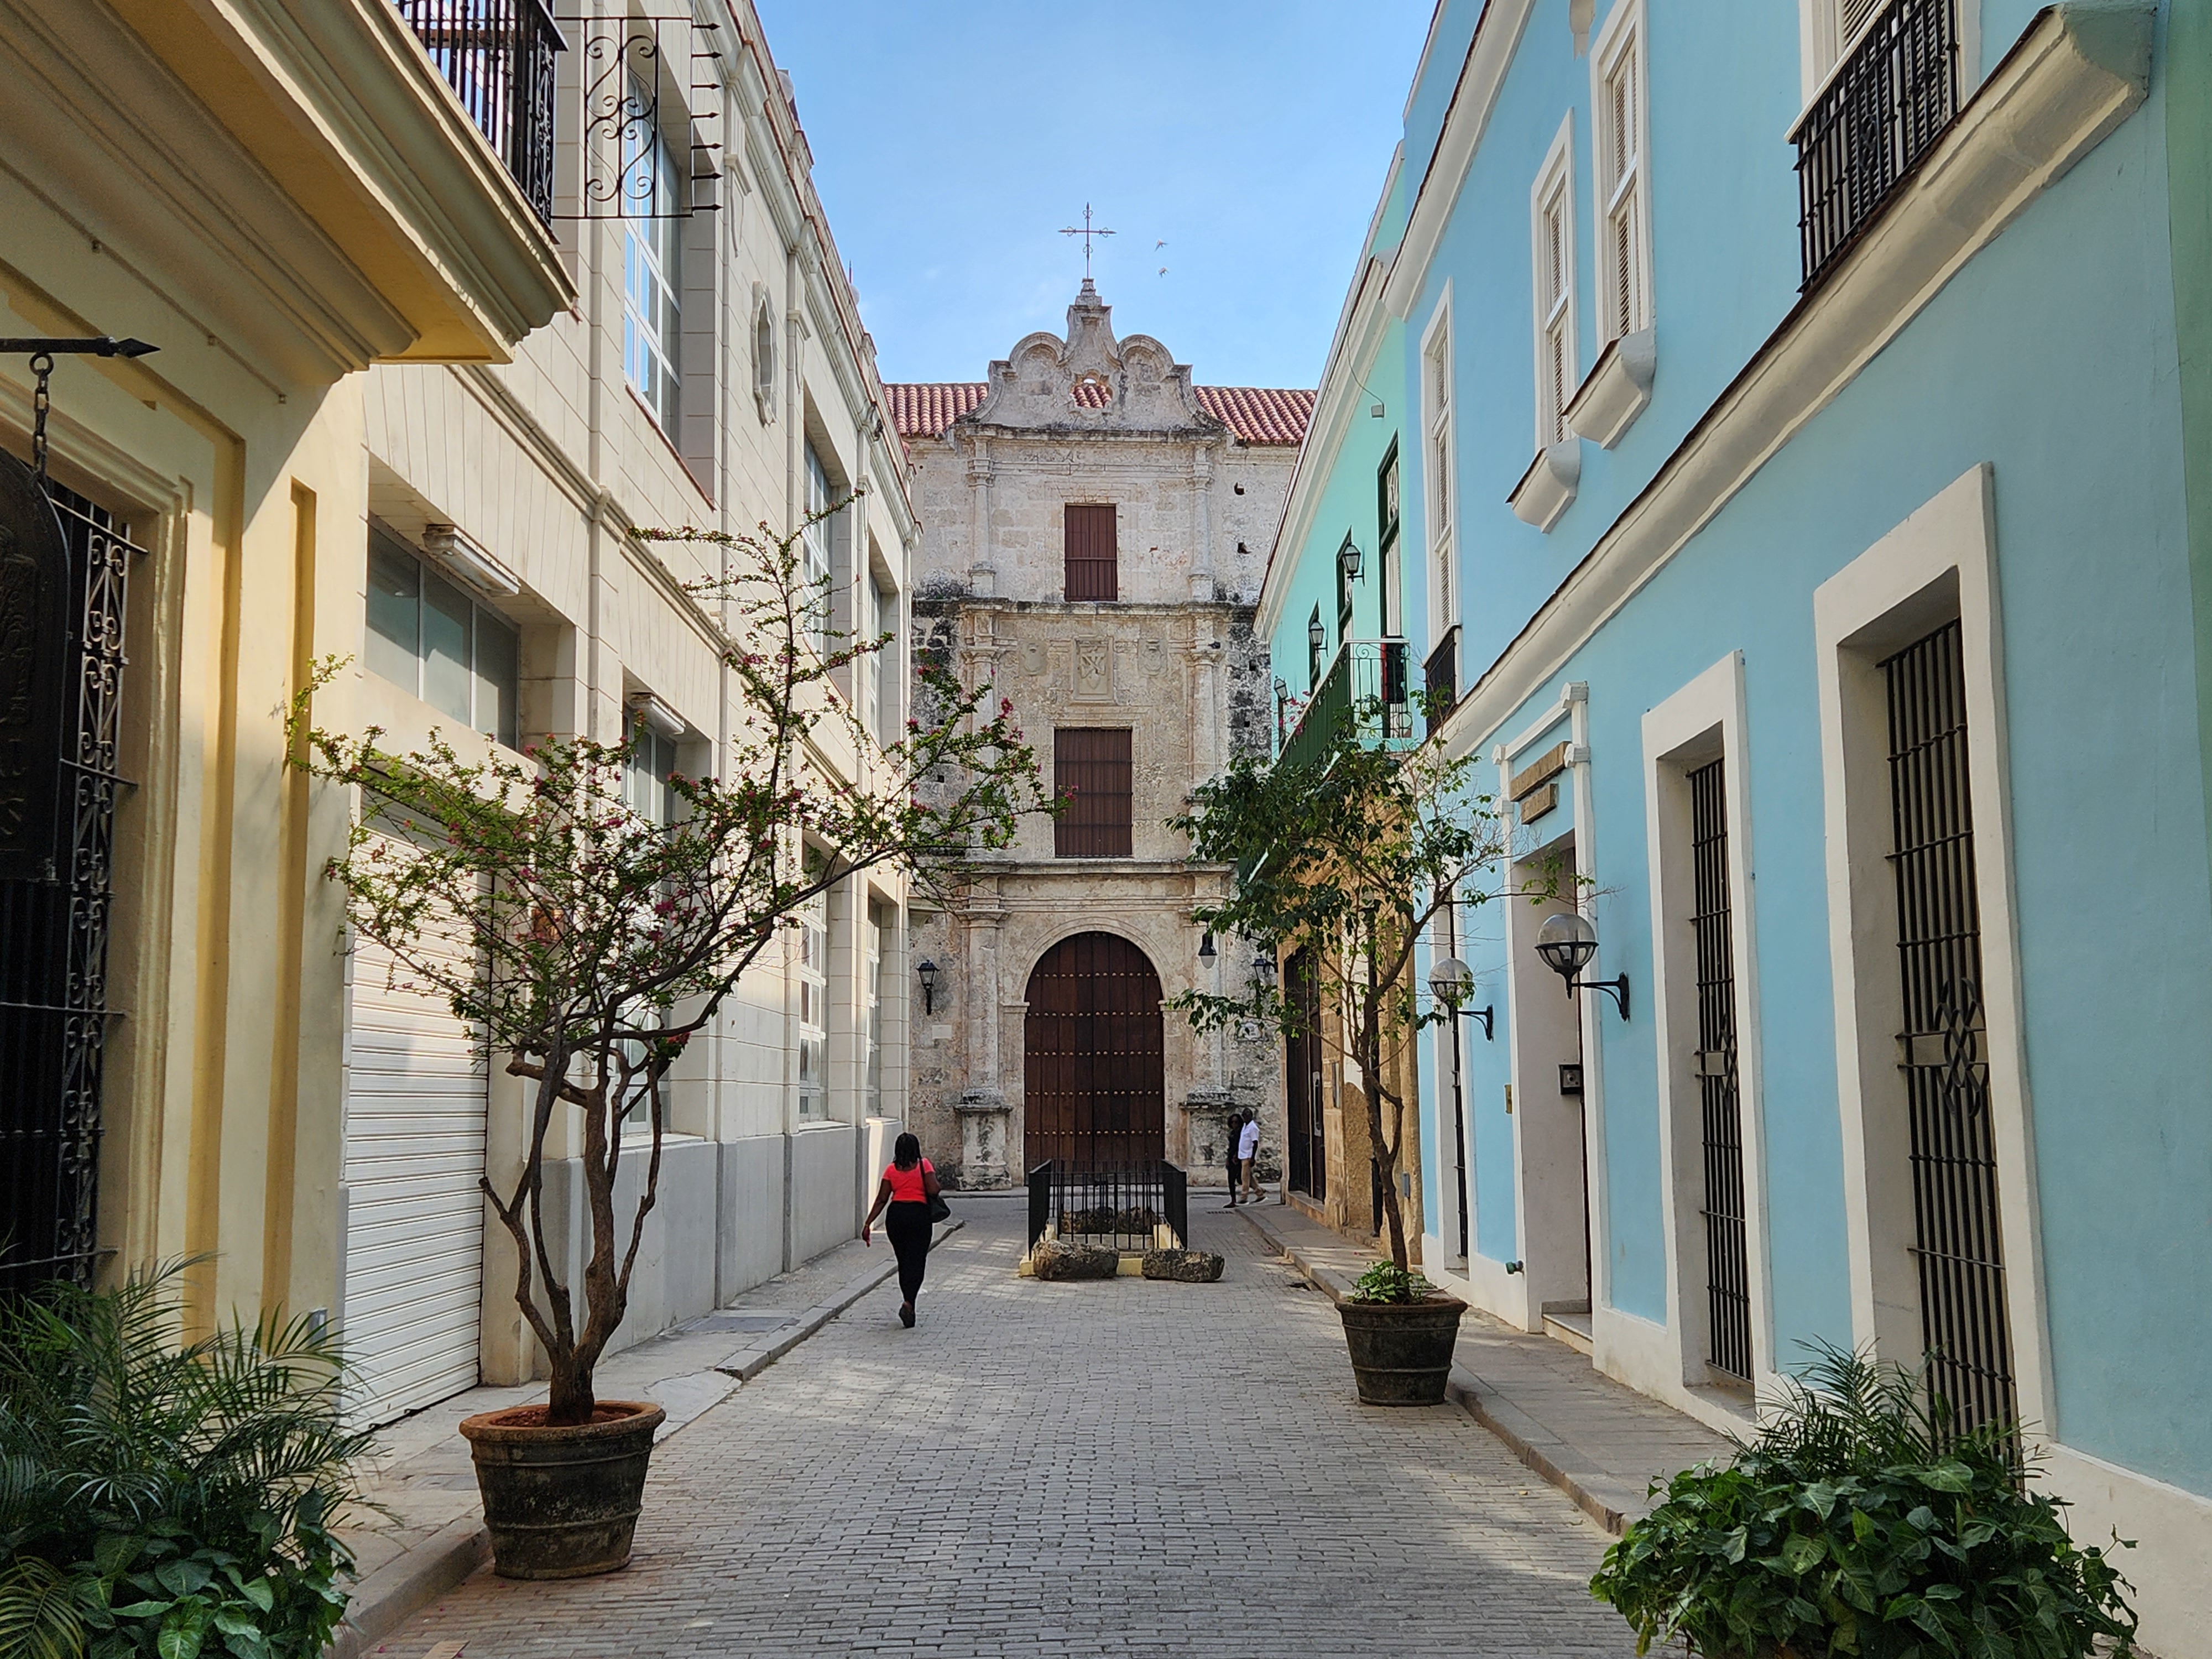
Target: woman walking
[909,1182]
[1236,1133]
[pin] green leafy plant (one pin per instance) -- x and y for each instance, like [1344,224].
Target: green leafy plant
[162,1497]
[1386,1281]
[590,939]
[1856,1522]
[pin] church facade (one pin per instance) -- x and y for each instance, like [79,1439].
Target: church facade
[1095,530]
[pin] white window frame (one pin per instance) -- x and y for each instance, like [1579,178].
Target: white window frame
[1551,287]
[1439,470]
[810,963]
[652,276]
[874,914]
[1621,159]
[816,563]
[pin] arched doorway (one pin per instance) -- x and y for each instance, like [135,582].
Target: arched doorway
[1095,1093]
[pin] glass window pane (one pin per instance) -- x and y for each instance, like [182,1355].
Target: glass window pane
[394,599]
[498,667]
[448,684]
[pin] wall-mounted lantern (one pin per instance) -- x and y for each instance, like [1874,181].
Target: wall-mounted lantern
[1206,950]
[1451,981]
[1348,561]
[926,971]
[1316,635]
[1263,968]
[1567,943]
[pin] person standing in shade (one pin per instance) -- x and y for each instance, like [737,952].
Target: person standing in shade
[1248,1155]
[909,1182]
[1236,1130]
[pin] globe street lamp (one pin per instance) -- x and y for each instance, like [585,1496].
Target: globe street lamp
[925,970]
[1567,943]
[1451,981]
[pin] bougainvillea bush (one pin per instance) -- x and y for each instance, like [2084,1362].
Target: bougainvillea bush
[590,940]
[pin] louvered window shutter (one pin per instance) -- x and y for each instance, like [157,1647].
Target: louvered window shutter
[1090,768]
[1092,551]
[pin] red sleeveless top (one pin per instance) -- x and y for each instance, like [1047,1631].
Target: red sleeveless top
[906,1184]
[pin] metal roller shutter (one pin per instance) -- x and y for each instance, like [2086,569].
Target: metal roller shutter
[415,1217]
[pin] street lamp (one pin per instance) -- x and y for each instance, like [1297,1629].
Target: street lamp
[925,970]
[1568,943]
[1206,950]
[1451,981]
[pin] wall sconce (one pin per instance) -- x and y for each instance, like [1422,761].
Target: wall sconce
[1451,981]
[1567,943]
[926,971]
[1263,968]
[1206,950]
[1348,560]
[1316,635]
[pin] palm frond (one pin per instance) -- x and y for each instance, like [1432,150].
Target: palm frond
[38,1615]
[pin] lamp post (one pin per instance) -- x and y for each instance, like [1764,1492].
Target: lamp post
[926,971]
[1567,943]
[1451,981]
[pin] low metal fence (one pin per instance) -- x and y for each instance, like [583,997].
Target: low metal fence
[1132,1208]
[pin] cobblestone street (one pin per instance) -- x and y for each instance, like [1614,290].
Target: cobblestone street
[1090,1469]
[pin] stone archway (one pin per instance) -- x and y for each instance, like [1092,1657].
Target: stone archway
[1094,1094]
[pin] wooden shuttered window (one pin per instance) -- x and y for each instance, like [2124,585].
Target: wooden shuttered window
[1092,550]
[1091,768]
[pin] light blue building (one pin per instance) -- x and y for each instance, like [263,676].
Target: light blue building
[1805,418]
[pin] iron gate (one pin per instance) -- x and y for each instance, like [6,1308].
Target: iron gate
[53,932]
[1727,1271]
[1956,1241]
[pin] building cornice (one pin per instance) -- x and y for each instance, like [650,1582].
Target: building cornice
[2075,73]
[1496,38]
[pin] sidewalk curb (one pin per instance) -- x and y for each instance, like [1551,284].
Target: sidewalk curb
[758,1360]
[1519,1434]
[386,1598]
[411,1581]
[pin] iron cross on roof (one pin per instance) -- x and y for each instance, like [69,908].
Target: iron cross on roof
[1086,233]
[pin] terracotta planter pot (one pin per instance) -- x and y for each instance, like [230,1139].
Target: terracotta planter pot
[1401,1352]
[562,1502]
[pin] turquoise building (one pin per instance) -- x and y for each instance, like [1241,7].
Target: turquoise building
[1803,417]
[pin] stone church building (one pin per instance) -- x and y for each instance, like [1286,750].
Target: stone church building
[1095,529]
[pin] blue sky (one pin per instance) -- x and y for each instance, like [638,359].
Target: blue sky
[953,138]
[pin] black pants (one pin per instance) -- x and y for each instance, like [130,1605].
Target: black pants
[908,1228]
[1232,1172]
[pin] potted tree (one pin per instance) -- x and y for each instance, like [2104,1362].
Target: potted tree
[591,941]
[1344,861]
[1860,1521]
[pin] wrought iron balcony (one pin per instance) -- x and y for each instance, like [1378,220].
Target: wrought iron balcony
[1440,675]
[1367,683]
[497,56]
[1885,105]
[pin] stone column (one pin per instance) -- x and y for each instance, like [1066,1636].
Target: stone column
[1201,490]
[982,571]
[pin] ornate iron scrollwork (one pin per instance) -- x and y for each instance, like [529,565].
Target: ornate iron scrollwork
[626,64]
[1963,1078]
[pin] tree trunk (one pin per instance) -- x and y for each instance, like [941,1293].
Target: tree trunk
[571,1400]
[1386,1155]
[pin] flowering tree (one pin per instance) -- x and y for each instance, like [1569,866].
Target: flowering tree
[1345,860]
[591,941]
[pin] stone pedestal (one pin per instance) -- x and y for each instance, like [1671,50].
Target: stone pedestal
[1206,1129]
[983,1114]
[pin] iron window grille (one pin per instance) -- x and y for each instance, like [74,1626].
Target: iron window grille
[1727,1271]
[1893,96]
[497,56]
[1957,1241]
[54,1013]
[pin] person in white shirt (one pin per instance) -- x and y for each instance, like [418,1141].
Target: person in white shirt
[1248,1154]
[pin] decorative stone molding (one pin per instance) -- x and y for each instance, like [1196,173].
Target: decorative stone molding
[1617,389]
[1547,489]
[983,1114]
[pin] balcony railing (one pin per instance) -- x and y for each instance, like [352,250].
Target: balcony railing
[497,56]
[1882,110]
[1367,682]
[1440,679]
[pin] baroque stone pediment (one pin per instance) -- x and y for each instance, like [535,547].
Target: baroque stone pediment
[1091,382]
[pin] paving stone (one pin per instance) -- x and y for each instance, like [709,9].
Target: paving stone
[1042,1469]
